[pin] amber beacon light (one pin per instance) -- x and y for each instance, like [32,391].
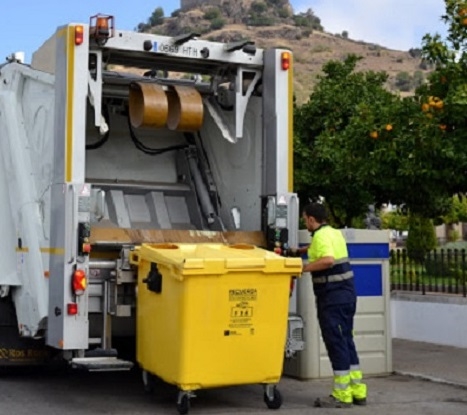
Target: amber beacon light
[101,28]
[285,60]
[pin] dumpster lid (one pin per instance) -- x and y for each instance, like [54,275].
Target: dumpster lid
[192,259]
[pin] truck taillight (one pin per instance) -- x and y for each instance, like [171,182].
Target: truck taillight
[79,34]
[79,282]
[285,60]
[72,309]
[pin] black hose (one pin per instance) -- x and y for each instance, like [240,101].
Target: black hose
[103,140]
[147,150]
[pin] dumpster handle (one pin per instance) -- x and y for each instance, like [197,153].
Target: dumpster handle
[154,279]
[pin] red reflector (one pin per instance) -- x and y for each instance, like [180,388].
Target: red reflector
[292,285]
[79,282]
[79,35]
[285,60]
[72,309]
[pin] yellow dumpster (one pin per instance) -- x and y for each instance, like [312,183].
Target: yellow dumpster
[213,315]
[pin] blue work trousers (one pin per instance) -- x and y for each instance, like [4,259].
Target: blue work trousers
[336,323]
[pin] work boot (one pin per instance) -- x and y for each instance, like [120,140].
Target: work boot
[331,402]
[359,389]
[341,394]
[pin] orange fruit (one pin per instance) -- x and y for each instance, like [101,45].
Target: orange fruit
[443,127]
[425,107]
[439,104]
[388,127]
[464,21]
[462,12]
[374,134]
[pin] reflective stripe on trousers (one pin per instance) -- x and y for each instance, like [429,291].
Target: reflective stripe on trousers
[342,390]
[359,389]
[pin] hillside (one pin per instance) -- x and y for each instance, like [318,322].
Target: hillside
[273,23]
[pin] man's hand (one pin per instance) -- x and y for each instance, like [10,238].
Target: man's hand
[293,251]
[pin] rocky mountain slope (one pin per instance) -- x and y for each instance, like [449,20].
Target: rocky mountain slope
[273,23]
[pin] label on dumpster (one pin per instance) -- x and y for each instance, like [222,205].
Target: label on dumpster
[245,294]
[241,311]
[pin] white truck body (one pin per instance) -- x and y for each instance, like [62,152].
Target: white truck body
[230,179]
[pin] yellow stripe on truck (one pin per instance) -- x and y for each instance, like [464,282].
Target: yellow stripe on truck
[70,51]
[290,97]
[47,250]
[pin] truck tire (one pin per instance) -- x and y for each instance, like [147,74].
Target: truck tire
[15,350]
[7,313]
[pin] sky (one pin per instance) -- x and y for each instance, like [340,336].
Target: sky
[397,24]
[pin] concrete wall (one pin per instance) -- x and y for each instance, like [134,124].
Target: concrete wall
[438,319]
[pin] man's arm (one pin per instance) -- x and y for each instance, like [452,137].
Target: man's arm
[320,264]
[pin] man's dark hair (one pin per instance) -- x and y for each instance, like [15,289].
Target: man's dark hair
[316,210]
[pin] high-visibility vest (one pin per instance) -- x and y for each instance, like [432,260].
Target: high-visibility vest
[336,284]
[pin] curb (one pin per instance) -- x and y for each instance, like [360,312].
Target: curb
[431,379]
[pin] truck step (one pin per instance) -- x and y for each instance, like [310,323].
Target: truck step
[101,364]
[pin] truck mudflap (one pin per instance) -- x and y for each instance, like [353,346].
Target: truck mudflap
[17,351]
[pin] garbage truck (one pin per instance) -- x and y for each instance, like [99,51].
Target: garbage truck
[111,139]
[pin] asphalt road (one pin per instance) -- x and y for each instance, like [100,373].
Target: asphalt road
[47,392]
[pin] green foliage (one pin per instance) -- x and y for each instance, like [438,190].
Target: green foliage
[157,17]
[404,81]
[415,52]
[143,27]
[421,239]
[345,34]
[176,13]
[418,79]
[333,153]
[396,221]
[256,20]
[212,13]
[457,211]
[308,19]
[453,235]
[258,7]
[357,144]
[283,13]
[217,23]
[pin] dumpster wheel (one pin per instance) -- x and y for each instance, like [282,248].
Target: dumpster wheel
[183,402]
[272,397]
[148,382]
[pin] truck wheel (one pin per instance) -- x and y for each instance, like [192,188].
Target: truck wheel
[276,401]
[7,313]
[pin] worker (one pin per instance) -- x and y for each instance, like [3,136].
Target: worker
[336,300]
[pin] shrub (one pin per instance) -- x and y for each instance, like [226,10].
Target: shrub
[212,13]
[217,23]
[421,239]
[157,17]
[284,13]
[258,7]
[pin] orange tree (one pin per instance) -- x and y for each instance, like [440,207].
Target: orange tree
[337,133]
[444,97]
[357,144]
